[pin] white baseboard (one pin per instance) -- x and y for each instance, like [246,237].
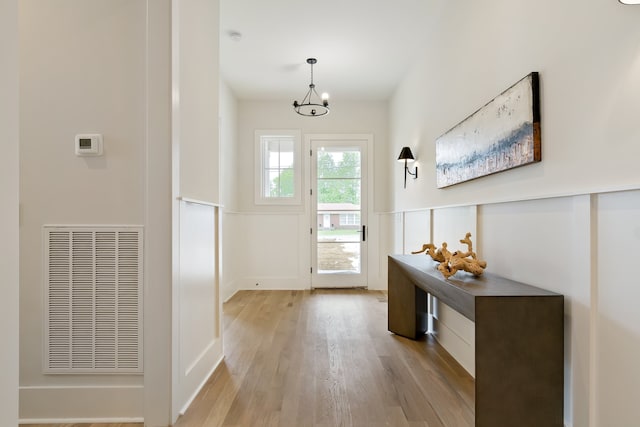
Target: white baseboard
[377,285]
[199,388]
[81,404]
[287,283]
[273,284]
[231,296]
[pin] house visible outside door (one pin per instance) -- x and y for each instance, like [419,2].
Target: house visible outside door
[338,211]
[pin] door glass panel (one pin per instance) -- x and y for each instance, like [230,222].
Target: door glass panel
[338,210]
[340,257]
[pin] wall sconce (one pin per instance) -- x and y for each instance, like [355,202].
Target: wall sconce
[630,1]
[407,156]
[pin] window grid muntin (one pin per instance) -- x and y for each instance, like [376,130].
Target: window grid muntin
[272,150]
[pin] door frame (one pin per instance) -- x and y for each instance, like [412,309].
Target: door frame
[367,140]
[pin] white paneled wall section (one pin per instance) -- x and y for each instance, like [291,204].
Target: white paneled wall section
[419,223]
[615,375]
[578,246]
[197,308]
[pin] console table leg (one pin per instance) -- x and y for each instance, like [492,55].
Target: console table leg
[408,307]
[519,361]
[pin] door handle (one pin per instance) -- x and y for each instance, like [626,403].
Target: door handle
[364,233]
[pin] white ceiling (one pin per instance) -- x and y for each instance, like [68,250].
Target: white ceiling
[363,47]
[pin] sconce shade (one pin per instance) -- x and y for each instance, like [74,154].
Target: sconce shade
[406,154]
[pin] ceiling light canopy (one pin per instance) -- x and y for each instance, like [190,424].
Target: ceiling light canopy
[313,105]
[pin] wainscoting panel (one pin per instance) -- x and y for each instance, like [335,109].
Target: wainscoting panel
[451,224]
[198,334]
[456,334]
[617,323]
[268,251]
[417,230]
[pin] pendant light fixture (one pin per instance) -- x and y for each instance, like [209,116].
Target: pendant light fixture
[312,104]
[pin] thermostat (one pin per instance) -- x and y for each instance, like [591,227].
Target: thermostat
[89,144]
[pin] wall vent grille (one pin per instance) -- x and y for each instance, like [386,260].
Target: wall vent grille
[93,299]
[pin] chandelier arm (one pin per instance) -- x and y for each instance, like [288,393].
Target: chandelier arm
[307,97]
[314,91]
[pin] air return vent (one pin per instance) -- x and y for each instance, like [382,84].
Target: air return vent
[93,299]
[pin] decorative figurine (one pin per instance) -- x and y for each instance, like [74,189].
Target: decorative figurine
[450,263]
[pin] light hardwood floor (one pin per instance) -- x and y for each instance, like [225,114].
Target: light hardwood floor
[324,358]
[84,425]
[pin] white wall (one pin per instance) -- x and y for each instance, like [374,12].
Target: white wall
[345,117]
[228,193]
[569,244]
[195,29]
[475,51]
[158,219]
[82,70]
[196,306]
[228,146]
[110,72]
[273,241]
[9,174]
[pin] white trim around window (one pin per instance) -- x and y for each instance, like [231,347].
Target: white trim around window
[278,167]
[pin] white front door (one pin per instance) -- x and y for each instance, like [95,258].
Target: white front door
[338,212]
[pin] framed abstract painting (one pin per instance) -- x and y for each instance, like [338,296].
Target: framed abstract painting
[504,134]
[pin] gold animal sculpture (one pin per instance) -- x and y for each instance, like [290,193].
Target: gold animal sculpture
[450,263]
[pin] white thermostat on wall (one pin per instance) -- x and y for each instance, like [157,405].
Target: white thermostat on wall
[89,144]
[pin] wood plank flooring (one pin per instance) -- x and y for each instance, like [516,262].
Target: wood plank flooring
[324,358]
[84,425]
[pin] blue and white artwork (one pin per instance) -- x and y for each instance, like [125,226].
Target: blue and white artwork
[504,134]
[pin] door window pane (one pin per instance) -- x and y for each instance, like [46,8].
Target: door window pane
[338,207]
[338,258]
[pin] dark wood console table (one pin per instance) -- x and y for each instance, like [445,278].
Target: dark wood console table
[519,334]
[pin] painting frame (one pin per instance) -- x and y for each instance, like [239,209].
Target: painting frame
[501,135]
